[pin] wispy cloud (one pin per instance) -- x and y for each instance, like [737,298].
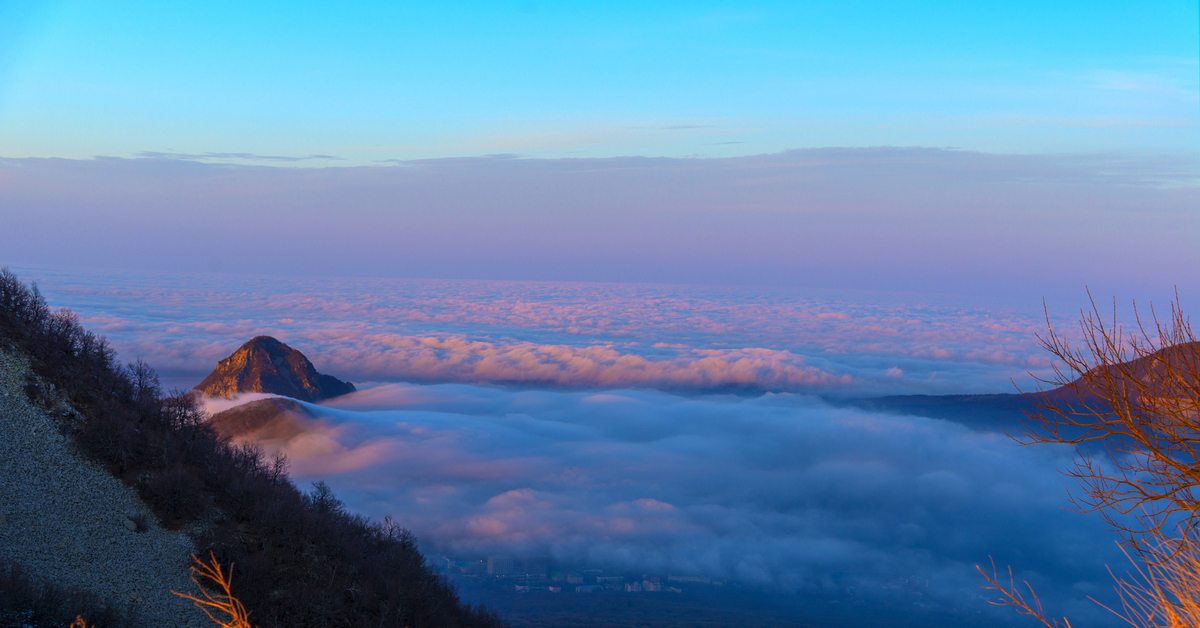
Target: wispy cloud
[450,161]
[232,156]
[673,127]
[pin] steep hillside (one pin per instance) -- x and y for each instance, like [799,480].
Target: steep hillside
[63,514]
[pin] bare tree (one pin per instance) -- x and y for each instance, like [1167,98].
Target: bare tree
[1136,394]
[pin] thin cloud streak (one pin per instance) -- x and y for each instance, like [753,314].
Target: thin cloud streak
[238,156]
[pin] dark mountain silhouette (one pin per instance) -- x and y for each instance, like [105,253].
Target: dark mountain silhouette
[1173,368]
[1005,413]
[268,366]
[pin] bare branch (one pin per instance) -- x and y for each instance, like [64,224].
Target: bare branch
[222,602]
[1138,395]
[1012,596]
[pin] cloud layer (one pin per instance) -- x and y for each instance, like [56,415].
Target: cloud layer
[780,491]
[597,365]
[565,334]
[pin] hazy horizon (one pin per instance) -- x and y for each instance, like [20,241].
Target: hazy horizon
[886,219]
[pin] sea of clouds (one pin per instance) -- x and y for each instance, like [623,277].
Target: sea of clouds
[560,334]
[651,429]
[781,490]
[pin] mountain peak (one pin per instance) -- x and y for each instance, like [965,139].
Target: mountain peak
[263,364]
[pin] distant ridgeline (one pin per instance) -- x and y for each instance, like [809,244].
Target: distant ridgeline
[298,559]
[1012,412]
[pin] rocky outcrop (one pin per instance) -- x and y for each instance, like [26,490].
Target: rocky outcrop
[265,365]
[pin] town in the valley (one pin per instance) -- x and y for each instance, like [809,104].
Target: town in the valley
[533,573]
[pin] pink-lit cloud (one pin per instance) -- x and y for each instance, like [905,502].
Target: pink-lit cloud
[566,334]
[429,358]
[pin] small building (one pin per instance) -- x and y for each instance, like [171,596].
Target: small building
[499,565]
[633,587]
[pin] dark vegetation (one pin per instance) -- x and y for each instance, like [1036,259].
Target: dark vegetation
[28,603]
[298,559]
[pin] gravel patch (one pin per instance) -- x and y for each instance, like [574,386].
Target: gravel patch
[65,519]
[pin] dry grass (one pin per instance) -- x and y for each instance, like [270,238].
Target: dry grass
[229,611]
[1166,594]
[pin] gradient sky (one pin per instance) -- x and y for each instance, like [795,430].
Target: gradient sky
[923,220]
[1014,148]
[368,82]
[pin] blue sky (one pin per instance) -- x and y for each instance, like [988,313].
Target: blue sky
[371,82]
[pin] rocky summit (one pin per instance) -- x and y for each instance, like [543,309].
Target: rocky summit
[266,365]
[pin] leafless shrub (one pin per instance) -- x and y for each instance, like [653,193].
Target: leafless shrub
[1137,394]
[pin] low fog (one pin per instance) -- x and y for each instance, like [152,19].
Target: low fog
[780,491]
